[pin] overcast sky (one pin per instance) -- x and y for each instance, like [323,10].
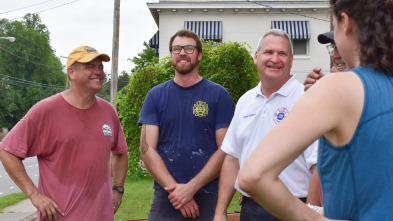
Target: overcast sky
[73,23]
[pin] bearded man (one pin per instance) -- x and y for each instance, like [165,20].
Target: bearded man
[184,121]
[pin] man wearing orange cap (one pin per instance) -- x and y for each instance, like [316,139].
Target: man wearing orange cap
[72,134]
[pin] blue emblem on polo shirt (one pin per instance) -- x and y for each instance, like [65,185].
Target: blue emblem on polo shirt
[280,114]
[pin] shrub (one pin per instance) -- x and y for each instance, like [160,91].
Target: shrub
[228,64]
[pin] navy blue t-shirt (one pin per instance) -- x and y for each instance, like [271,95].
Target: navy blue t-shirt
[187,120]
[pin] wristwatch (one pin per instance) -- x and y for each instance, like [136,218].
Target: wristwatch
[119,189]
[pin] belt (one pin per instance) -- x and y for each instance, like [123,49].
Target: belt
[251,200]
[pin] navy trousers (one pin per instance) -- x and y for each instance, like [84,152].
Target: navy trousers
[162,209]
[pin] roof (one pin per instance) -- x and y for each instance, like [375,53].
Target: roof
[234,6]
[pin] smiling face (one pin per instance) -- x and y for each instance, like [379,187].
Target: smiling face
[88,76]
[274,58]
[337,60]
[183,62]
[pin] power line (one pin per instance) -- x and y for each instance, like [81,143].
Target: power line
[48,9]
[34,85]
[18,56]
[25,7]
[15,80]
[19,84]
[23,52]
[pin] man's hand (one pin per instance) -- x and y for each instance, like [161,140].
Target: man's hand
[190,210]
[180,194]
[117,199]
[47,207]
[312,77]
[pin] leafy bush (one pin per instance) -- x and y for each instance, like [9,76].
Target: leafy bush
[228,64]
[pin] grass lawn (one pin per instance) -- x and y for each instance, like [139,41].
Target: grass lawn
[138,196]
[136,200]
[11,199]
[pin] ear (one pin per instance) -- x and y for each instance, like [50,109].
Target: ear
[71,73]
[347,23]
[256,57]
[199,56]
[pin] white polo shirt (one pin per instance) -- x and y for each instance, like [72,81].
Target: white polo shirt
[255,116]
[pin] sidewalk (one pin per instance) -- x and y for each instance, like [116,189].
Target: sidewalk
[22,211]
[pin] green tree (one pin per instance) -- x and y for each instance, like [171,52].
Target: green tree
[145,58]
[105,92]
[229,64]
[122,81]
[29,69]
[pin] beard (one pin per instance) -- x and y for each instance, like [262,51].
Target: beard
[184,69]
[340,65]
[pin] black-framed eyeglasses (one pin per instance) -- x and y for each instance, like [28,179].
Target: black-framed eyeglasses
[331,48]
[189,49]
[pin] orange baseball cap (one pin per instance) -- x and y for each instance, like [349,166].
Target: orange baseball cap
[85,54]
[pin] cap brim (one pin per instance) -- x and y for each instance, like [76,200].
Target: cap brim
[326,38]
[91,57]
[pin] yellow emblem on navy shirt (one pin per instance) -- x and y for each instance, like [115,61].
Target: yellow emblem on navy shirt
[200,109]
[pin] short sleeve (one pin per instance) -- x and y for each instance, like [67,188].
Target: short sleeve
[121,144]
[311,154]
[230,145]
[225,110]
[19,140]
[149,113]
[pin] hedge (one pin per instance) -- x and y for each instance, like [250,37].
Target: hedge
[228,64]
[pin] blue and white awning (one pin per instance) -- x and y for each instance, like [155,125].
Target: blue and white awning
[153,42]
[295,29]
[208,30]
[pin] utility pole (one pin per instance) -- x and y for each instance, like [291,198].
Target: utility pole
[115,58]
[115,50]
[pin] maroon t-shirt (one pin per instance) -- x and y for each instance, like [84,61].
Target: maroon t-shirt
[73,148]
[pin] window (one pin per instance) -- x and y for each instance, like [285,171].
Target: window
[154,41]
[300,46]
[208,30]
[299,32]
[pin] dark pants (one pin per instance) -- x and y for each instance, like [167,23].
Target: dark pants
[252,211]
[162,209]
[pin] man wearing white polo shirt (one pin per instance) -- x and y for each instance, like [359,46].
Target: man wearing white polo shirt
[257,112]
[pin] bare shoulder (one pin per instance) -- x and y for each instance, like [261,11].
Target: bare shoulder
[340,98]
[343,85]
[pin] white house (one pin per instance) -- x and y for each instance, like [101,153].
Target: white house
[246,21]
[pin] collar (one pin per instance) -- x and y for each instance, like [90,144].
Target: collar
[285,90]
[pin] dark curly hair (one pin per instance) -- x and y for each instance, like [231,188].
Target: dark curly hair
[189,34]
[374,21]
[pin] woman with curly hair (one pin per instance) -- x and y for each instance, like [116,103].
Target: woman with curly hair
[352,112]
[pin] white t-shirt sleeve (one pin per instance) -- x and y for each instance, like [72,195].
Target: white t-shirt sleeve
[311,154]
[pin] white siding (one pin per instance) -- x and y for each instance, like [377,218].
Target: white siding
[245,25]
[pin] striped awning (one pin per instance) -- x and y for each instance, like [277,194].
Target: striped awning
[208,30]
[153,42]
[295,29]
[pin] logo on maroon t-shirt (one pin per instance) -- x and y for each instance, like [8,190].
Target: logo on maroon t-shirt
[107,130]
